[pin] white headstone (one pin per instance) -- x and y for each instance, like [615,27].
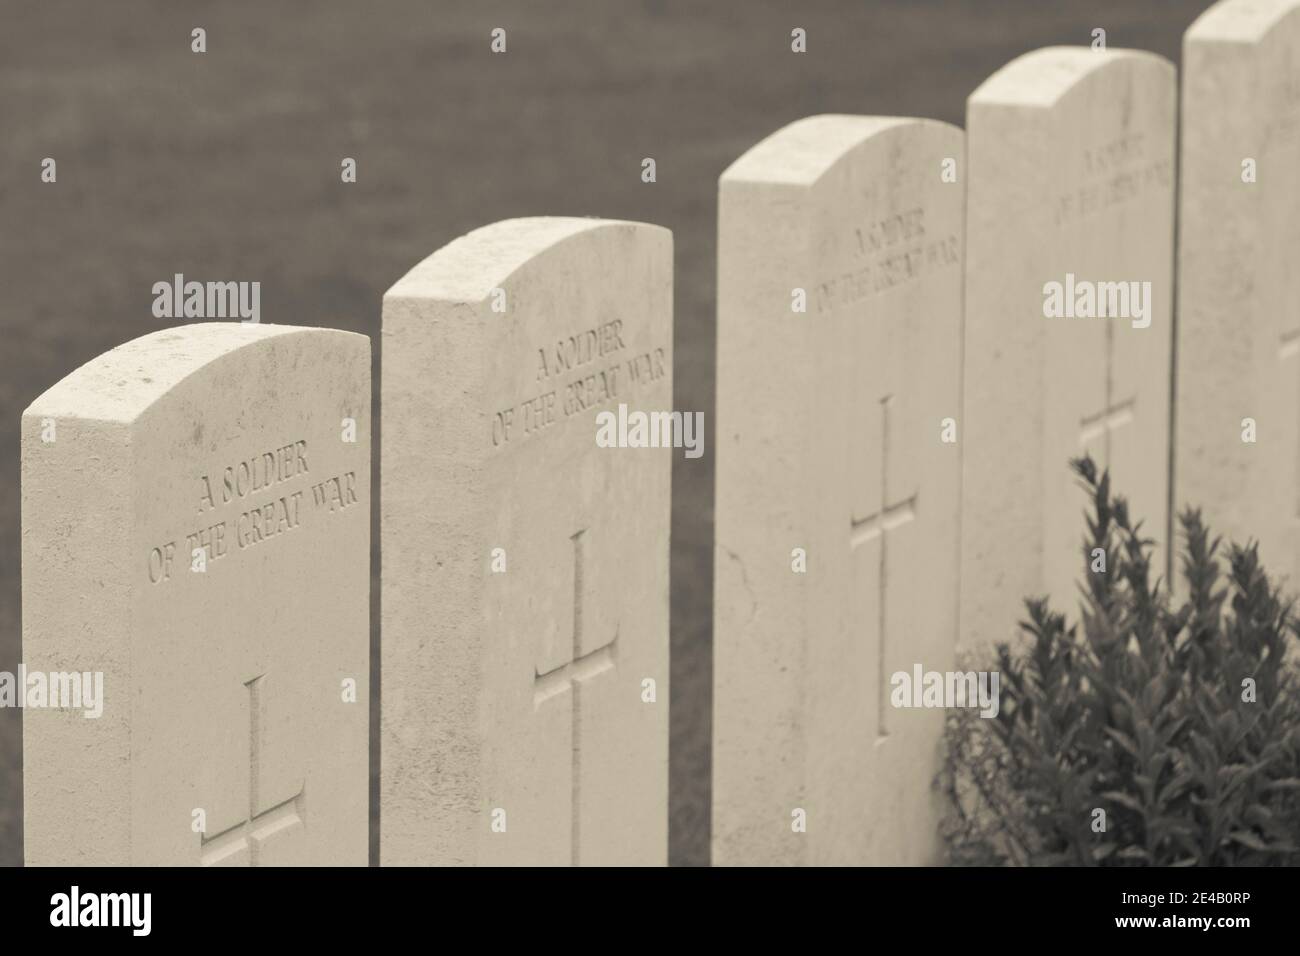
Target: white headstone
[1237,413]
[525,569]
[1070,208]
[196,530]
[831,425]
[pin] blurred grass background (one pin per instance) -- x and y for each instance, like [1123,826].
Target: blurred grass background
[226,166]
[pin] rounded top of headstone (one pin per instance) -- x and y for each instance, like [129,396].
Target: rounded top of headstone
[122,383]
[802,152]
[1240,21]
[469,268]
[1041,77]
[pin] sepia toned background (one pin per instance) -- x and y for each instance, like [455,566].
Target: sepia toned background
[225,166]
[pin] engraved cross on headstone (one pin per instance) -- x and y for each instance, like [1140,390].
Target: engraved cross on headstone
[571,677]
[1115,415]
[890,515]
[1103,424]
[259,827]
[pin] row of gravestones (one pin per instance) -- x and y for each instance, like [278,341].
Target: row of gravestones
[895,413]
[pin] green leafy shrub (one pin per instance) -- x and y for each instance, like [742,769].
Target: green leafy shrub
[1181,723]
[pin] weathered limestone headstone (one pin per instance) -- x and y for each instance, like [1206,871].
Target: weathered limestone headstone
[1071,183]
[196,528]
[832,456]
[525,569]
[1237,414]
